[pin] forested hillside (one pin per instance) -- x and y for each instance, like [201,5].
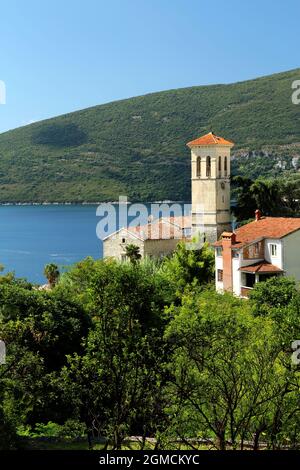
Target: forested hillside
[137,146]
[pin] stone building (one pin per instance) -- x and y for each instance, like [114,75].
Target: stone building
[156,239]
[210,185]
[210,216]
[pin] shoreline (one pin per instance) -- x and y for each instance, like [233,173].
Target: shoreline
[3,204]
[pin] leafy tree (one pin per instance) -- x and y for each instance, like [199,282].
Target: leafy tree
[133,253]
[227,383]
[51,272]
[274,197]
[245,204]
[39,329]
[52,324]
[274,293]
[8,437]
[150,349]
[189,267]
[116,386]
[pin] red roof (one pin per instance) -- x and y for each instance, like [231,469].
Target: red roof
[162,228]
[210,139]
[262,267]
[266,227]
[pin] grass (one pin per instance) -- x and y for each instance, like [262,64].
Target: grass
[38,444]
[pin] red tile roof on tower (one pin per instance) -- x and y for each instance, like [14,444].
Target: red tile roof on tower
[266,227]
[210,139]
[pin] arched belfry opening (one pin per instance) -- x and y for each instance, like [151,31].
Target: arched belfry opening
[208,167]
[198,167]
[225,167]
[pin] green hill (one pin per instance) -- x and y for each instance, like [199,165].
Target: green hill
[136,147]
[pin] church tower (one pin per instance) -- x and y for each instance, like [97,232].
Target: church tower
[210,186]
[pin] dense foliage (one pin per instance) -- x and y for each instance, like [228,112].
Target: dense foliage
[276,197]
[149,349]
[137,146]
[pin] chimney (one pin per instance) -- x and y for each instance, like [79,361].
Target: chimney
[257,215]
[228,239]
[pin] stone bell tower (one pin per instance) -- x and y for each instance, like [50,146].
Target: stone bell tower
[210,186]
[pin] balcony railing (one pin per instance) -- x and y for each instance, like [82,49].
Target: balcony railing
[245,291]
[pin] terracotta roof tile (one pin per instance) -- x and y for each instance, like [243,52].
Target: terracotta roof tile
[163,228]
[262,267]
[266,227]
[210,139]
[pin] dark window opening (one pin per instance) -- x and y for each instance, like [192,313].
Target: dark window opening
[250,280]
[208,167]
[225,166]
[198,171]
[220,166]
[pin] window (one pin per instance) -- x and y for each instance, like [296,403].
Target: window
[198,170]
[123,240]
[220,166]
[273,249]
[208,167]
[254,251]
[219,251]
[220,275]
[225,166]
[187,232]
[249,280]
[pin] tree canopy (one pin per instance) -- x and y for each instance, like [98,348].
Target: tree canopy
[149,349]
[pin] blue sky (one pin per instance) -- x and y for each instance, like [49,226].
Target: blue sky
[62,55]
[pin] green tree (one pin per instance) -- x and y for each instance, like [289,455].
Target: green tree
[51,272]
[39,329]
[189,267]
[116,385]
[133,253]
[262,194]
[228,384]
[275,293]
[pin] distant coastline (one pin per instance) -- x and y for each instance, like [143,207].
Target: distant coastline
[86,203]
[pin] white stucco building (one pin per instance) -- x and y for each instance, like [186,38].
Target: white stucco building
[268,246]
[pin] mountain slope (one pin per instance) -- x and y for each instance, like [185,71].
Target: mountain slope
[137,146]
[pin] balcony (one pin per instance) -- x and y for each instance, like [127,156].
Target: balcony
[254,251]
[245,291]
